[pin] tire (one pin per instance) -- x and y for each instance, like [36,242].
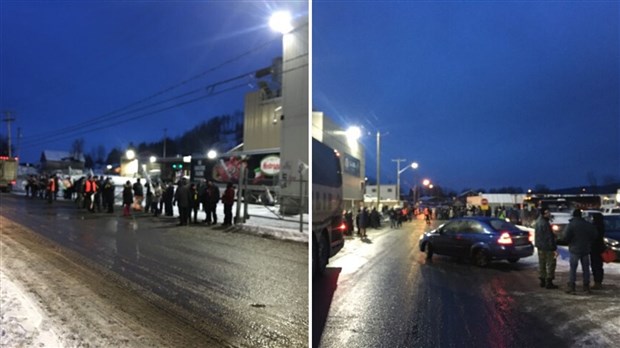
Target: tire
[513,260]
[321,255]
[481,258]
[429,251]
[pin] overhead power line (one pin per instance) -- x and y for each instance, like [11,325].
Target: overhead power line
[210,89]
[161,92]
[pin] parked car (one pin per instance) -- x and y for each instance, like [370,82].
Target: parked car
[559,221]
[614,245]
[481,239]
[612,226]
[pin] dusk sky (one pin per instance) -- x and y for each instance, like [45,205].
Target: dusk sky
[482,94]
[68,66]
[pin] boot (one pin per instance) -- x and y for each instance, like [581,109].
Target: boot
[571,288]
[597,286]
[543,282]
[586,288]
[550,284]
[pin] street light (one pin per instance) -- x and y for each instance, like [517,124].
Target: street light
[211,154]
[281,22]
[130,154]
[413,165]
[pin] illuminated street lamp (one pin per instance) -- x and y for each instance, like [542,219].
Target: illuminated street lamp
[281,22]
[353,133]
[211,154]
[413,165]
[130,154]
[152,159]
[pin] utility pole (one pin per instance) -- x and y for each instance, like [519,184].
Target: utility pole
[165,137]
[8,119]
[378,169]
[398,160]
[19,138]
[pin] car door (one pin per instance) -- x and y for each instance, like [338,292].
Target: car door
[469,234]
[444,241]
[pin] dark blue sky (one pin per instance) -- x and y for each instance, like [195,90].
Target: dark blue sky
[482,94]
[72,62]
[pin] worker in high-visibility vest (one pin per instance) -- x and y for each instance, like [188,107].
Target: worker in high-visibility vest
[51,188]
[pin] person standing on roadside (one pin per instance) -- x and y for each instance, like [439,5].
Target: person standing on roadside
[127,198]
[211,197]
[182,200]
[598,246]
[108,195]
[138,195]
[51,189]
[579,234]
[547,250]
[194,200]
[228,198]
[155,204]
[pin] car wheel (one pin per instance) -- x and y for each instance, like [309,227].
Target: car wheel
[513,260]
[481,258]
[429,251]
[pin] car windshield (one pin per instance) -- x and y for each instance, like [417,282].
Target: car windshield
[502,225]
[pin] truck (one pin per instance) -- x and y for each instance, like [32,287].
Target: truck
[328,225]
[262,171]
[8,173]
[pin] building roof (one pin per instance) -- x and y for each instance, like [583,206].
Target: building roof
[52,155]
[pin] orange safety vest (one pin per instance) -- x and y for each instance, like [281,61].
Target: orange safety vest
[94,186]
[52,185]
[87,186]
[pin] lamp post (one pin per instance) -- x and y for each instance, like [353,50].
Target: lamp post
[413,165]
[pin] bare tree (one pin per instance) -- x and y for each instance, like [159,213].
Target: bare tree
[77,148]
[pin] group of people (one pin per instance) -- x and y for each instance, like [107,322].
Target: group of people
[188,197]
[585,245]
[97,194]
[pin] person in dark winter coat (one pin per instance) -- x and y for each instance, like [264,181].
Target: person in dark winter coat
[211,197]
[228,198]
[108,195]
[138,194]
[182,200]
[127,198]
[598,246]
[579,234]
[167,198]
[194,202]
[547,250]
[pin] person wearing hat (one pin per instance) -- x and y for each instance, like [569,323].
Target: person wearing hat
[579,234]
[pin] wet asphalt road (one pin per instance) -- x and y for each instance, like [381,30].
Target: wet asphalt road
[239,289]
[383,293]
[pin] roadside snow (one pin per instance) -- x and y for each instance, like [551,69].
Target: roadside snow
[23,323]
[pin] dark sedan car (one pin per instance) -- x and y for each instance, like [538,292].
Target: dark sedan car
[481,239]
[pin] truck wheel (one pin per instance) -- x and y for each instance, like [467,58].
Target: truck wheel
[322,254]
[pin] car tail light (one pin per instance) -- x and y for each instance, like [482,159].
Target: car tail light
[555,228]
[505,239]
[530,237]
[342,227]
